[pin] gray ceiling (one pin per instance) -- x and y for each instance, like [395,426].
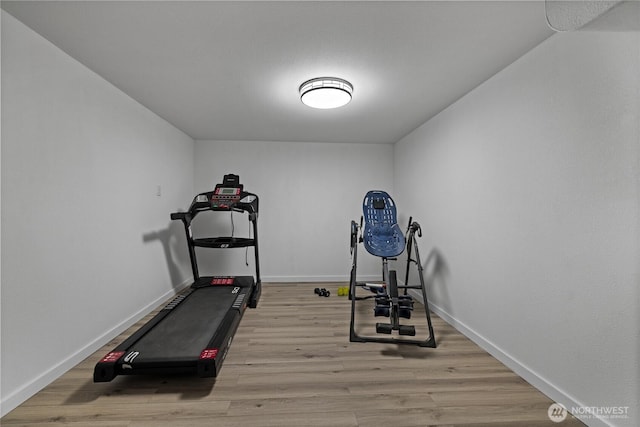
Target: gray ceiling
[231,70]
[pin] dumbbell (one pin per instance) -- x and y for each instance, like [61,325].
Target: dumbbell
[343,291]
[322,292]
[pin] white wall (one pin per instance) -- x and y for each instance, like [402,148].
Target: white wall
[85,239]
[309,193]
[529,189]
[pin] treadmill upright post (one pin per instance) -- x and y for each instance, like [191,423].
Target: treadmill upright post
[186,218]
[192,250]
[255,295]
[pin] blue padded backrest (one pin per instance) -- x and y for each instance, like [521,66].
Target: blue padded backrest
[382,235]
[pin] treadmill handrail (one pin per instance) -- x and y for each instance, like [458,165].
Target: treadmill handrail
[201,206]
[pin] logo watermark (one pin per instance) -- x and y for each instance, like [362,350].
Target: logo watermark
[557,412]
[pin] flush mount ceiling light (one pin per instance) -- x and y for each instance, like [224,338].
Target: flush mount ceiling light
[326,92]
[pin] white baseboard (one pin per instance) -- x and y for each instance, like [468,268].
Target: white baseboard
[17,397]
[309,279]
[533,378]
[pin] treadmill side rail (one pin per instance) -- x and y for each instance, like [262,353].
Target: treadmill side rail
[211,358]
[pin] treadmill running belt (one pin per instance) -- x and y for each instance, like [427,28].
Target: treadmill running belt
[186,331]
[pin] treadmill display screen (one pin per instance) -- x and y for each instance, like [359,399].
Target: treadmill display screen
[229,191]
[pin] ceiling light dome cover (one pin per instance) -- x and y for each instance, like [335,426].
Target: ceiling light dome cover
[326,92]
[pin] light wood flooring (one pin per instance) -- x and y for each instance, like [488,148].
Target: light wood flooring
[291,364]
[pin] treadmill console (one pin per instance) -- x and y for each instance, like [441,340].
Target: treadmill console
[224,197]
[227,196]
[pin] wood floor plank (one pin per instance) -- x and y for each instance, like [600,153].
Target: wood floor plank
[291,364]
[329,403]
[296,419]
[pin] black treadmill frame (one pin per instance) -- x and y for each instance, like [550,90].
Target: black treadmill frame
[247,291]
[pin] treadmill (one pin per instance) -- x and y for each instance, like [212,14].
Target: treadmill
[193,332]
